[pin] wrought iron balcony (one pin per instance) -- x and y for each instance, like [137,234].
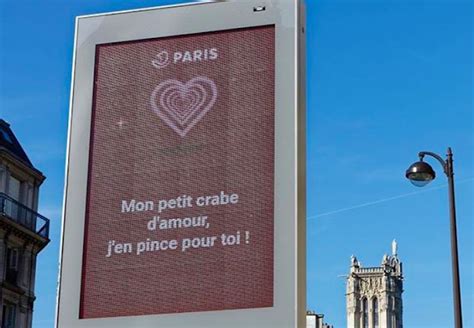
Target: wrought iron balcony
[24,216]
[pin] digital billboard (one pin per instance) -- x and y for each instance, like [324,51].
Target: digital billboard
[184,202]
[179,211]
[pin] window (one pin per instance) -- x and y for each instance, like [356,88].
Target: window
[375,312]
[12,265]
[14,188]
[11,209]
[5,135]
[365,313]
[9,315]
[12,258]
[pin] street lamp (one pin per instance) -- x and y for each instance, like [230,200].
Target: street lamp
[420,174]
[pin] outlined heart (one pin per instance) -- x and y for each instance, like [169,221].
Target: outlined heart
[182,105]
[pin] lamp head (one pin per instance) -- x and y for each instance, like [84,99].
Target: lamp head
[420,173]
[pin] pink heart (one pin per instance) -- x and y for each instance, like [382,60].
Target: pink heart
[183,105]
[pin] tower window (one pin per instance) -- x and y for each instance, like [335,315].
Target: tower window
[375,312]
[365,313]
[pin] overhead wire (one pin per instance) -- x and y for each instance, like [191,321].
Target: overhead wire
[383,200]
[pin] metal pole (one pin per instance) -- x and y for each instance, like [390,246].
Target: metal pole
[454,242]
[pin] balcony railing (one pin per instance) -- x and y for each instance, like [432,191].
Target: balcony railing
[370,270]
[24,215]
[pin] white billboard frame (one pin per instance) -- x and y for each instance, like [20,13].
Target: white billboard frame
[288,16]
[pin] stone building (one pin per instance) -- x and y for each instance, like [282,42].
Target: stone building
[314,320]
[374,294]
[23,232]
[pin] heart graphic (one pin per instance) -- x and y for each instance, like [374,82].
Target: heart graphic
[182,105]
[161,60]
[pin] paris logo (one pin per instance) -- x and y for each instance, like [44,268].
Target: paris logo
[161,60]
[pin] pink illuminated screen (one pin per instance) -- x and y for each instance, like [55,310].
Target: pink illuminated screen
[180,197]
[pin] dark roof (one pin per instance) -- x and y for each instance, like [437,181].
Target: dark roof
[9,142]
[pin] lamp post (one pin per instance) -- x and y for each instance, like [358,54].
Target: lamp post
[420,174]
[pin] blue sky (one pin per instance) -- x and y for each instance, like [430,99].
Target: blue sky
[386,79]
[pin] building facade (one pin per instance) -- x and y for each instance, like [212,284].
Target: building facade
[23,232]
[314,320]
[374,294]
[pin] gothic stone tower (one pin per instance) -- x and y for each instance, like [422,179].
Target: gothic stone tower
[374,294]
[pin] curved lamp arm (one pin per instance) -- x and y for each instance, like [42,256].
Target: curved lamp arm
[445,164]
